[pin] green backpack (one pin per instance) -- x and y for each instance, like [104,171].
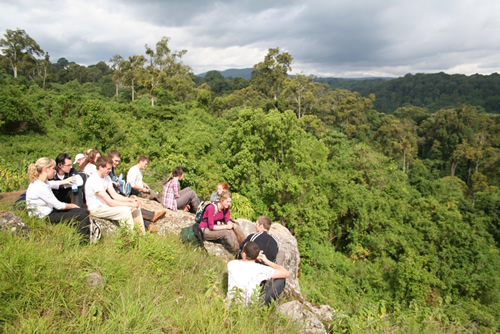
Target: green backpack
[192,235]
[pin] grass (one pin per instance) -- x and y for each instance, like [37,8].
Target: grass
[153,284]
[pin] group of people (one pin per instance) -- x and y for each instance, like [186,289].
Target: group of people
[59,192]
[260,260]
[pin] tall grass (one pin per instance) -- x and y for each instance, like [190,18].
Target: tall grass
[153,284]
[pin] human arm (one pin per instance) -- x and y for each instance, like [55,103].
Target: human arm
[118,199]
[210,217]
[246,240]
[175,187]
[133,178]
[279,271]
[55,184]
[45,194]
[113,202]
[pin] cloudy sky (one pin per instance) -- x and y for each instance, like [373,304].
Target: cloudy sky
[337,38]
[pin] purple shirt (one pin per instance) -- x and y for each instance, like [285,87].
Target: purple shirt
[209,218]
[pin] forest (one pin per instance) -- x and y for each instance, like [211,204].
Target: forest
[432,91]
[394,202]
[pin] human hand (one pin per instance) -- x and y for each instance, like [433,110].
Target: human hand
[229,225]
[69,180]
[262,258]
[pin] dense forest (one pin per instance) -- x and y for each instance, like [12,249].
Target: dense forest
[395,209]
[432,91]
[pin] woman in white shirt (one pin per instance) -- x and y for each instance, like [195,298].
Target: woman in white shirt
[88,165]
[41,202]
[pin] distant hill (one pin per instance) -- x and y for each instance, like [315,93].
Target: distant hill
[433,91]
[245,73]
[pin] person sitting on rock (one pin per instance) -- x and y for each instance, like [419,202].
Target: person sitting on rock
[41,201]
[120,185]
[88,166]
[64,178]
[223,186]
[268,246]
[139,187]
[267,243]
[218,226]
[79,159]
[104,202]
[173,198]
[245,275]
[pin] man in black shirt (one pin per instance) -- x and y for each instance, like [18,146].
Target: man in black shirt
[65,177]
[268,245]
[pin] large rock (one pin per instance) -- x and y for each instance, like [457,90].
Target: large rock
[303,316]
[13,223]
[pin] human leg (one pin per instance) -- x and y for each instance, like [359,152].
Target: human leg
[138,220]
[188,196]
[227,235]
[120,213]
[79,214]
[273,289]
[240,236]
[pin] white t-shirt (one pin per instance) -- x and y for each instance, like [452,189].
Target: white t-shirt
[90,169]
[94,185]
[40,199]
[134,176]
[246,276]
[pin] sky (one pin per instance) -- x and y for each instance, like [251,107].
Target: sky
[328,38]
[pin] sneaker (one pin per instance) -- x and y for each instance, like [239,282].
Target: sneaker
[95,232]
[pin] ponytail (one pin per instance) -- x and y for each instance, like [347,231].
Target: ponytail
[178,171]
[34,170]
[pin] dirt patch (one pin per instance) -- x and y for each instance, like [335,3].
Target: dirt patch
[8,199]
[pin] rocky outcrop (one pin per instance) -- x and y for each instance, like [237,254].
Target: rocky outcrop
[302,316]
[312,317]
[13,223]
[299,310]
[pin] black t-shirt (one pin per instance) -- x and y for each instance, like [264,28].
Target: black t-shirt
[266,242]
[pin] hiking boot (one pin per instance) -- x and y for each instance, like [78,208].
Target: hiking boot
[158,215]
[152,228]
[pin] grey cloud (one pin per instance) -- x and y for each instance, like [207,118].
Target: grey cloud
[327,36]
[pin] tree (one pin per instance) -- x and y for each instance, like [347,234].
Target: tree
[397,139]
[116,66]
[19,47]
[164,68]
[449,133]
[299,91]
[270,75]
[133,69]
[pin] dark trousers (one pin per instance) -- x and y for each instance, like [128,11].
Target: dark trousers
[273,289]
[80,215]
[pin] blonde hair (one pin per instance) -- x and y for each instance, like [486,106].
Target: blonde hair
[35,169]
[224,195]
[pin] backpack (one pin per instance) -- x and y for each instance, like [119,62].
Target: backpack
[192,235]
[201,210]
[20,203]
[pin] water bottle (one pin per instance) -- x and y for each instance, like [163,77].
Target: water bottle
[74,186]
